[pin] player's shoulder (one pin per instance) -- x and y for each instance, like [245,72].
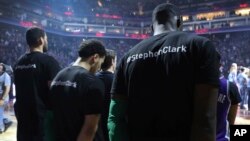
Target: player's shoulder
[5,75]
[38,56]
[47,57]
[22,57]
[48,60]
[86,75]
[190,36]
[95,82]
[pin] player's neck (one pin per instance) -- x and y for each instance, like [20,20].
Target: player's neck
[157,32]
[80,63]
[36,49]
[159,29]
[110,70]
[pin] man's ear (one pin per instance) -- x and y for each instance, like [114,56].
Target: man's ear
[92,59]
[95,57]
[40,41]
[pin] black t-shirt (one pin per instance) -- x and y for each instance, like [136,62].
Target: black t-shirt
[234,94]
[159,76]
[32,74]
[107,79]
[75,93]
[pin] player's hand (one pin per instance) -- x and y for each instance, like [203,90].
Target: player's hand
[1,102]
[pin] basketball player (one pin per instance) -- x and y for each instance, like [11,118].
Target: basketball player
[33,73]
[227,106]
[77,96]
[149,81]
[5,83]
[242,83]
[106,75]
[232,76]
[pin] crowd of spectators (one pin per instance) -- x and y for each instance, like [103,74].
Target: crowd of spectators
[233,47]
[51,13]
[63,48]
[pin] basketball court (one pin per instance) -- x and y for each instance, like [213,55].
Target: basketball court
[243,117]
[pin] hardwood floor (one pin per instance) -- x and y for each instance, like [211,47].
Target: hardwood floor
[243,117]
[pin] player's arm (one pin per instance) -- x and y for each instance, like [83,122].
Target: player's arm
[232,114]
[117,124]
[206,92]
[92,108]
[5,94]
[235,99]
[204,114]
[53,68]
[6,89]
[89,128]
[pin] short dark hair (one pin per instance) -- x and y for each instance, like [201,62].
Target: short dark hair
[165,13]
[4,68]
[110,56]
[91,47]
[33,35]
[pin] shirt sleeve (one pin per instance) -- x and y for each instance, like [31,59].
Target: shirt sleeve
[7,80]
[118,85]
[53,68]
[94,98]
[234,94]
[208,64]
